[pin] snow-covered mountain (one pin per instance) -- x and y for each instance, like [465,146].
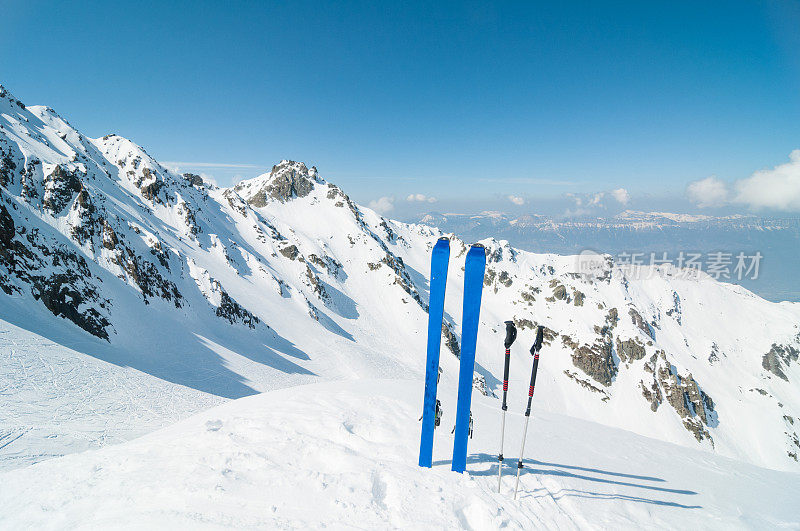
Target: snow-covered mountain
[283,280]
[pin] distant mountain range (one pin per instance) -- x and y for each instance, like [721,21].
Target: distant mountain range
[778,240]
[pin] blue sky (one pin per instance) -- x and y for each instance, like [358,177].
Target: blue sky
[467,102]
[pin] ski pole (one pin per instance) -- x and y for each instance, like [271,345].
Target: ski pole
[537,346]
[511,335]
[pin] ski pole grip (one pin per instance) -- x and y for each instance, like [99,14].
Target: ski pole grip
[537,345]
[511,334]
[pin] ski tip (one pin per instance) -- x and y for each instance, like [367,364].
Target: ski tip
[444,239]
[442,245]
[477,249]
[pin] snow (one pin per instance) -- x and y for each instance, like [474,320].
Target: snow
[57,401]
[343,455]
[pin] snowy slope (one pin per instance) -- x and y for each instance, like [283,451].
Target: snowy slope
[56,400]
[343,455]
[283,280]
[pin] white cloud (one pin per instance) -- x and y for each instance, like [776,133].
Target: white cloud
[382,205]
[420,198]
[517,200]
[776,189]
[708,193]
[598,200]
[621,195]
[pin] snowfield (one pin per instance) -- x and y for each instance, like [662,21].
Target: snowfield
[343,456]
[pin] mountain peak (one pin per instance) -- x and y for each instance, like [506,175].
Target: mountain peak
[287,180]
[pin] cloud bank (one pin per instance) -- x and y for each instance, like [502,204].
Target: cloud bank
[420,198]
[774,189]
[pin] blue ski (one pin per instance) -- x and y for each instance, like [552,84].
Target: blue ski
[439,261]
[473,286]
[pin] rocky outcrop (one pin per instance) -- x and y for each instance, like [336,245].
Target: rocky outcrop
[778,358]
[596,360]
[630,350]
[675,311]
[578,297]
[194,179]
[60,186]
[231,310]
[7,167]
[290,251]
[146,276]
[64,294]
[287,180]
[450,339]
[587,385]
[640,323]
[559,290]
[479,383]
[682,393]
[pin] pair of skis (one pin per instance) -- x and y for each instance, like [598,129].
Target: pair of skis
[474,270]
[511,335]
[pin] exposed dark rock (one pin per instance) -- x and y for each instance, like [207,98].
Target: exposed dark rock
[194,179]
[505,279]
[401,277]
[150,191]
[236,202]
[110,240]
[652,394]
[578,297]
[713,357]
[7,231]
[7,167]
[596,360]
[559,290]
[524,324]
[231,310]
[675,311]
[688,400]
[290,251]
[287,180]
[61,295]
[530,295]
[640,323]
[59,188]
[146,276]
[479,383]
[630,350]
[190,219]
[586,384]
[450,339]
[316,284]
[779,357]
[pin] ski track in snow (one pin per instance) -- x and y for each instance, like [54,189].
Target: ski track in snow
[57,401]
[343,455]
